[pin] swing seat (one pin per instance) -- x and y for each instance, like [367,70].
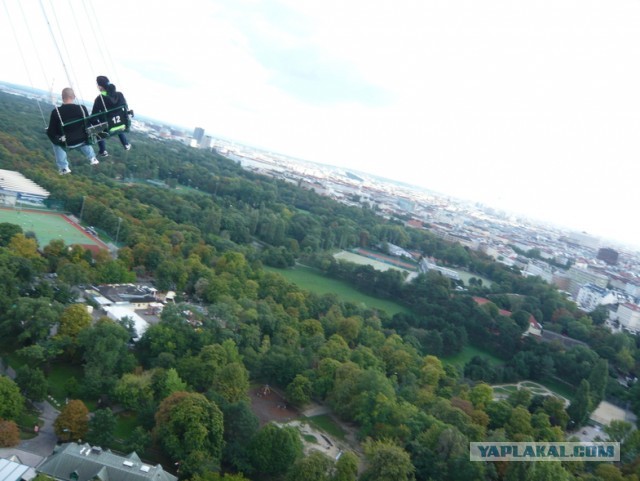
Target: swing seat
[103,125]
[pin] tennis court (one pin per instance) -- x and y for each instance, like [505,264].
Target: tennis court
[48,226]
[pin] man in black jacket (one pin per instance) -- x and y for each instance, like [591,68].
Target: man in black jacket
[67,130]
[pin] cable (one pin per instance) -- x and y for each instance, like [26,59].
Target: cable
[55,42]
[24,62]
[84,45]
[75,85]
[101,41]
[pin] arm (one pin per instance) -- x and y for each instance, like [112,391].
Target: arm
[98,105]
[54,131]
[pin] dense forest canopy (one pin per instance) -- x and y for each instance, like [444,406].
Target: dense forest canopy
[414,412]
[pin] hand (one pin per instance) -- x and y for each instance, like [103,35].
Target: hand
[63,138]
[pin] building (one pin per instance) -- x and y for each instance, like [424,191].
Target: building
[608,255]
[82,462]
[579,277]
[629,317]
[15,188]
[590,296]
[11,470]
[540,269]
[120,301]
[426,266]
[198,134]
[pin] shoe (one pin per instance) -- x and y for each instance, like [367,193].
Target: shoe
[127,147]
[104,154]
[94,161]
[65,171]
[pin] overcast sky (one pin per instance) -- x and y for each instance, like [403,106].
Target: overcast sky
[529,106]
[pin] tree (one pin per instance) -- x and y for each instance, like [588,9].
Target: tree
[618,430]
[346,467]
[138,440]
[12,403]
[73,421]
[519,425]
[134,390]
[9,434]
[314,467]
[274,449]
[101,427]
[7,231]
[299,390]
[387,461]
[598,381]
[240,425]
[554,407]
[232,382]
[106,355]
[188,425]
[581,405]
[73,320]
[32,382]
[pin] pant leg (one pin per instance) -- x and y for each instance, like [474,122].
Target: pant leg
[123,139]
[88,152]
[102,145]
[61,157]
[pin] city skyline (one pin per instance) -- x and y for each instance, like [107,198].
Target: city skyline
[528,108]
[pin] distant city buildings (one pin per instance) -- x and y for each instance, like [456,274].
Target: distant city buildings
[590,297]
[198,135]
[608,255]
[628,316]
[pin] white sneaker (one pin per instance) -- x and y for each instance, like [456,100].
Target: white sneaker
[104,154]
[65,171]
[127,147]
[94,161]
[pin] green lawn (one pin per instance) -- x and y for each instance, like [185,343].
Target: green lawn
[127,422]
[468,353]
[559,387]
[58,378]
[324,423]
[313,280]
[47,226]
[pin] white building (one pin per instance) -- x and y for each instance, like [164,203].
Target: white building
[590,296]
[629,317]
[540,269]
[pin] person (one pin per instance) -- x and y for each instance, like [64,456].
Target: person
[108,99]
[67,130]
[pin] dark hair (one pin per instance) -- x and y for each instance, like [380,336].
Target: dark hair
[102,81]
[111,89]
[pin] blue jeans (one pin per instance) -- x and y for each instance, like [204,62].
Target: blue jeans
[103,146]
[61,154]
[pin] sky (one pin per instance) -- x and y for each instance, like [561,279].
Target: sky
[532,107]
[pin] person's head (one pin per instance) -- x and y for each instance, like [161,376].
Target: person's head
[68,95]
[106,87]
[102,82]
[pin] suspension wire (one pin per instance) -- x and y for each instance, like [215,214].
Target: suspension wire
[75,85]
[55,42]
[84,45]
[24,61]
[100,39]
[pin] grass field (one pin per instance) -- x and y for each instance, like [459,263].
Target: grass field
[326,424]
[47,227]
[313,280]
[465,276]
[468,353]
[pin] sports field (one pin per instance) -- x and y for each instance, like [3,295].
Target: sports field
[468,353]
[49,226]
[313,280]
